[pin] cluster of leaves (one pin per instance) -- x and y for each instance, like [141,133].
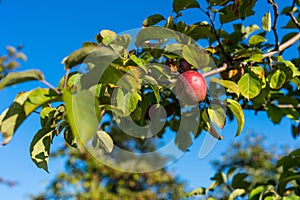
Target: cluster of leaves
[10,61]
[249,171]
[122,82]
[86,178]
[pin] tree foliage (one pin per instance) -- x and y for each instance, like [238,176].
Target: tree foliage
[252,170]
[117,81]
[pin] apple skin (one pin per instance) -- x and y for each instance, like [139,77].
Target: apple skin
[191,87]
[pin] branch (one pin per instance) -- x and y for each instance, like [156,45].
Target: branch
[282,47]
[50,86]
[274,27]
[293,18]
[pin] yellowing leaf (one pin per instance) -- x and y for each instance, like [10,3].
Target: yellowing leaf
[237,110]
[266,21]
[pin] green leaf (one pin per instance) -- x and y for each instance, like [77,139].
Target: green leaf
[256,39]
[154,33]
[77,57]
[249,85]
[40,148]
[238,181]
[277,79]
[266,21]
[108,36]
[195,56]
[69,137]
[217,115]
[127,102]
[230,85]
[234,11]
[24,104]
[236,193]
[255,193]
[83,114]
[14,78]
[152,20]
[105,141]
[274,113]
[237,110]
[179,5]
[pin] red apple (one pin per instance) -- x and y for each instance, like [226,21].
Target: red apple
[191,87]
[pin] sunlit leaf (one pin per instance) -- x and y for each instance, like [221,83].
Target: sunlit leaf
[20,77]
[24,104]
[266,21]
[256,39]
[277,79]
[230,85]
[40,148]
[235,193]
[152,20]
[249,85]
[217,115]
[105,141]
[83,114]
[237,110]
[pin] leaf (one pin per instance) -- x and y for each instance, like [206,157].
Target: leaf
[23,105]
[236,193]
[83,114]
[266,21]
[127,102]
[195,56]
[152,20]
[69,137]
[154,33]
[77,57]
[238,181]
[40,148]
[230,85]
[108,36]
[256,39]
[237,110]
[254,194]
[250,86]
[197,191]
[235,11]
[179,5]
[277,79]
[105,141]
[14,78]
[274,113]
[217,115]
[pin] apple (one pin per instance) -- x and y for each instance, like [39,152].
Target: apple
[191,87]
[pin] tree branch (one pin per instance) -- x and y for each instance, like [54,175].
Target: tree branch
[274,27]
[293,18]
[282,47]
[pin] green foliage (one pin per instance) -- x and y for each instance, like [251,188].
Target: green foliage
[250,170]
[86,178]
[120,82]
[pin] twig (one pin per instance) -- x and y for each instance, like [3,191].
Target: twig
[50,86]
[293,18]
[66,78]
[229,59]
[274,27]
[282,47]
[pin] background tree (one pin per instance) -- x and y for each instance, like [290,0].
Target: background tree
[87,178]
[252,170]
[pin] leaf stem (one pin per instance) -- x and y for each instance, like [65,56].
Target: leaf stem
[50,86]
[66,78]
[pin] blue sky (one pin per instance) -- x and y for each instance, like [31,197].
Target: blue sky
[49,31]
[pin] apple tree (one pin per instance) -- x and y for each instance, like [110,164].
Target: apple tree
[145,81]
